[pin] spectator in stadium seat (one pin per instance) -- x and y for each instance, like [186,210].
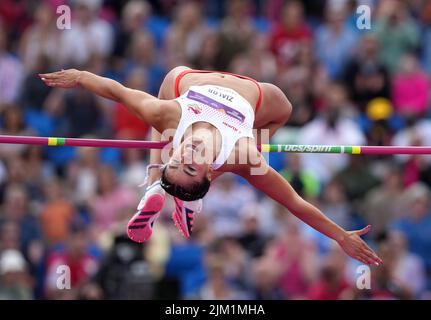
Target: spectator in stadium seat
[38,170]
[251,237]
[335,203]
[124,122]
[133,171]
[295,258]
[16,209]
[293,82]
[185,36]
[303,181]
[112,202]
[335,42]
[41,39]
[56,214]
[76,256]
[83,113]
[265,282]
[396,31]
[331,125]
[89,36]
[124,274]
[236,263]
[224,213]
[81,175]
[289,33]
[15,282]
[142,57]
[382,204]
[33,95]
[357,177]
[415,222]
[217,287]
[133,17]
[12,124]
[409,267]
[9,236]
[11,71]
[236,32]
[332,282]
[207,58]
[366,77]
[187,260]
[410,87]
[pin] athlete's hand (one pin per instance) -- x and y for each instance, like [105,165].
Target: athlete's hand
[61,79]
[355,247]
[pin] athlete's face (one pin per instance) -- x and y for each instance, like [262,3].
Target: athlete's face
[188,164]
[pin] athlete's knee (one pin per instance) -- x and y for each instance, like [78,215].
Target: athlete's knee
[286,112]
[167,87]
[178,69]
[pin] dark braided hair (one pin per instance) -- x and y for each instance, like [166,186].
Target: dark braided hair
[196,191]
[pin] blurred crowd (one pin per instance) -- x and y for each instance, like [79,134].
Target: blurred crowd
[348,86]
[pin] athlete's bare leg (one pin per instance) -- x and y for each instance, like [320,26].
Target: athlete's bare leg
[155,157]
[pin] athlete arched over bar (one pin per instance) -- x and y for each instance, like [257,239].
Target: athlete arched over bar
[221,109]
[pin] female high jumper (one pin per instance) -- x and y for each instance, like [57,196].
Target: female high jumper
[212,116]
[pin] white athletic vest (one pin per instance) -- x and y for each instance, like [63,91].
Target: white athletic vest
[222,107]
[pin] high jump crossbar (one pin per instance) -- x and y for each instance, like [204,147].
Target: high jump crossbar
[139,144]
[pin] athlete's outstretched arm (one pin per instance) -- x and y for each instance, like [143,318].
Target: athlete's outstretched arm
[143,105]
[276,187]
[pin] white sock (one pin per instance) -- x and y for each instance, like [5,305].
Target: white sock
[155,187]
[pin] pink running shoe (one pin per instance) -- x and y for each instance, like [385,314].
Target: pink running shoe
[140,227]
[184,214]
